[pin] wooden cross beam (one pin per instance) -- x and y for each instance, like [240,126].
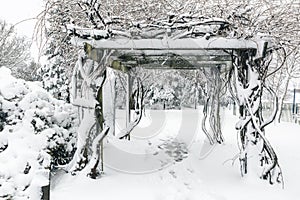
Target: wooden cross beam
[186,53]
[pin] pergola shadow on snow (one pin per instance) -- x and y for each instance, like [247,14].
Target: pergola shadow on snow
[169,48]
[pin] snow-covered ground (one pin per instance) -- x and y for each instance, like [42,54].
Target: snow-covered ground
[168,158]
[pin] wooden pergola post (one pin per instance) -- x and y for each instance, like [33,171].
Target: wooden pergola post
[128,102]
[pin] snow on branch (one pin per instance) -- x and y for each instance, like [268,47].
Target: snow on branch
[172,26]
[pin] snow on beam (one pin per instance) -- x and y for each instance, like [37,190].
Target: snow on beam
[215,43]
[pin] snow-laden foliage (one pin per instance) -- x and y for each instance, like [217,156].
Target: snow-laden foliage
[37,134]
[61,56]
[164,96]
[54,78]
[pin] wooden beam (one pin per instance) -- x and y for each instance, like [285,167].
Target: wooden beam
[93,53]
[124,63]
[212,56]
[118,65]
[214,43]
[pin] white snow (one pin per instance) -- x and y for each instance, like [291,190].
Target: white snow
[168,157]
[33,117]
[205,172]
[170,44]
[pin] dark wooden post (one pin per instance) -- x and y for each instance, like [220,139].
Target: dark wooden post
[234,108]
[294,103]
[128,102]
[46,190]
[100,117]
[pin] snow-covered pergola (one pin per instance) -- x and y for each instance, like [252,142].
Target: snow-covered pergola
[168,46]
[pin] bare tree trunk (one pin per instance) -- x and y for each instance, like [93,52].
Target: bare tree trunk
[215,122]
[212,105]
[249,83]
[97,155]
[281,98]
[139,98]
[205,111]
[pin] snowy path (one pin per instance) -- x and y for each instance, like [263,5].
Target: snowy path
[203,172]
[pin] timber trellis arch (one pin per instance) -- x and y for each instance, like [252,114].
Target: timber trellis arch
[186,43]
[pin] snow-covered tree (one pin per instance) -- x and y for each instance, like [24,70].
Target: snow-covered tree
[286,64]
[13,49]
[164,96]
[27,71]
[54,78]
[61,56]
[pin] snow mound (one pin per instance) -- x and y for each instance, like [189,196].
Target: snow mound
[37,133]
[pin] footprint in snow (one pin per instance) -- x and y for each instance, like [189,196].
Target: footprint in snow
[175,149]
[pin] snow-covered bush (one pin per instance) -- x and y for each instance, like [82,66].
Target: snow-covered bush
[54,78]
[37,134]
[165,96]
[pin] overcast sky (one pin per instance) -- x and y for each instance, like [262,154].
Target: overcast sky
[14,11]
